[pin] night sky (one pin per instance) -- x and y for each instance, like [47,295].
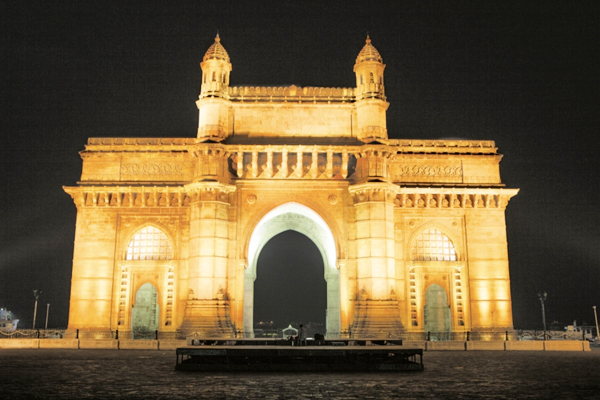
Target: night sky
[524,76]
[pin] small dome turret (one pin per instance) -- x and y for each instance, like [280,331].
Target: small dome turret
[213,108]
[217,51]
[369,68]
[216,68]
[369,53]
[370,94]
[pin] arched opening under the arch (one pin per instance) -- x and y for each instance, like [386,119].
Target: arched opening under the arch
[437,313]
[144,315]
[290,287]
[303,220]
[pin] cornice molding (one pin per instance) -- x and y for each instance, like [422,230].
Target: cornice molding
[466,198]
[144,197]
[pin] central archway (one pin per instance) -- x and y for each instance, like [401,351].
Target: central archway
[299,218]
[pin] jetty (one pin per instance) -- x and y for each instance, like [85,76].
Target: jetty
[281,355]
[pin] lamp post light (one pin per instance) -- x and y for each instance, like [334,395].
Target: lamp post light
[543,297]
[36,294]
[597,331]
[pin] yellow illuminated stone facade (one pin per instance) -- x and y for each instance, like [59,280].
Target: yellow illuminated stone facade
[412,232]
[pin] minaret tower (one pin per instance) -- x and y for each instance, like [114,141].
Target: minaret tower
[213,102]
[371,106]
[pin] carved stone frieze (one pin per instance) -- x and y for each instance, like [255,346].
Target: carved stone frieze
[138,197]
[379,191]
[151,169]
[430,171]
[464,198]
[209,191]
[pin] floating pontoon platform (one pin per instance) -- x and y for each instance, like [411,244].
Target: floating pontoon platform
[281,358]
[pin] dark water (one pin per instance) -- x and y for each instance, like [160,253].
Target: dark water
[110,374]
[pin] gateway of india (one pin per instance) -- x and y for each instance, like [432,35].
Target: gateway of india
[169,230]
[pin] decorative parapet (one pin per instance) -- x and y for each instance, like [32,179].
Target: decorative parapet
[292,94]
[440,162]
[398,145]
[454,198]
[137,144]
[444,146]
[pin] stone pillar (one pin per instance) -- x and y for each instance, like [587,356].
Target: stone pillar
[375,242]
[240,164]
[91,304]
[376,307]
[284,163]
[314,165]
[344,164]
[268,172]
[207,307]
[329,166]
[489,279]
[254,165]
[298,171]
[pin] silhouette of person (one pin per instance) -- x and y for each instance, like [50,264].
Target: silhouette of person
[301,336]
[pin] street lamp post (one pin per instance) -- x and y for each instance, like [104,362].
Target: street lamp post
[597,331]
[47,312]
[36,294]
[543,297]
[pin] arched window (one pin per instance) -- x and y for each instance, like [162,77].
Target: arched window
[214,76]
[149,243]
[433,245]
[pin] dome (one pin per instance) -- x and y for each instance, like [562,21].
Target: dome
[368,53]
[216,51]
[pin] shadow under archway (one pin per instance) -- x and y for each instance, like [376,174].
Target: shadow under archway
[290,286]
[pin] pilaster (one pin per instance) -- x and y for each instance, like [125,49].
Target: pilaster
[376,307]
[209,258]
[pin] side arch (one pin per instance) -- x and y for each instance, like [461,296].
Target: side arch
[437,262]
[158,267]
[145,313]
[437,318]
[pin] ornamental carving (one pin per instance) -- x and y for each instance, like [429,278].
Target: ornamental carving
[374,194]
[430,171]
[151,169]
[154,198]
[451,200]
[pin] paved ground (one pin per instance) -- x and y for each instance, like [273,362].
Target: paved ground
[136,374]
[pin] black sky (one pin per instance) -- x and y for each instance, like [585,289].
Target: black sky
[525,76]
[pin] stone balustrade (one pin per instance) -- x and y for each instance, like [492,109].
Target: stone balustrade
[292,162]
